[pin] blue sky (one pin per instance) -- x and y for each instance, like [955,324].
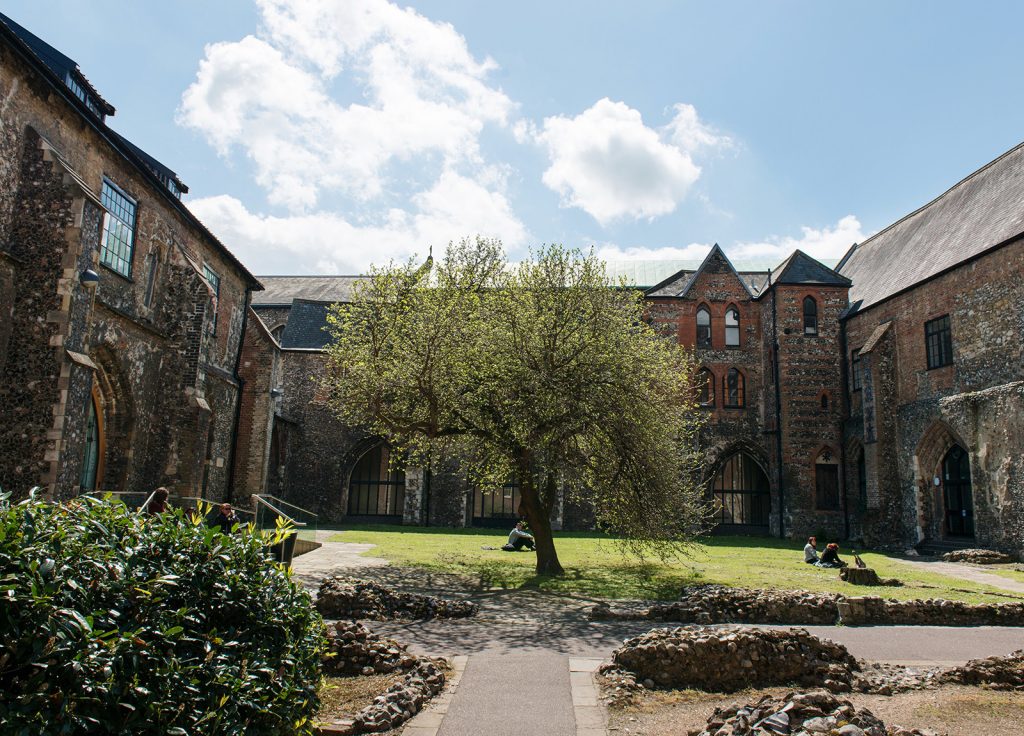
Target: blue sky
[323,135]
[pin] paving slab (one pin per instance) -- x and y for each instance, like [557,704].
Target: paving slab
[512,695]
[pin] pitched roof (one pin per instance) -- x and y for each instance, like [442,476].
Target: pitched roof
[645,274]
[800,268]
[306,325]
[678,284]
[281,290]
[59,64]
[12,33]
[161,170]
[979,213]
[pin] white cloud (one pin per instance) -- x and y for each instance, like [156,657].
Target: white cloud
[607,162]
[826,242]
[327,242]
[421,95]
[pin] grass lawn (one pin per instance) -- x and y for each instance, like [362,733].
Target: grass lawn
[595,566]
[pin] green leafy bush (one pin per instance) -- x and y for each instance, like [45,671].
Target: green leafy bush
[115,623]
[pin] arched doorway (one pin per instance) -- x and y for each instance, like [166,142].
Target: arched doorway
[956,492]
[375,489]
[92,455]
[742,495]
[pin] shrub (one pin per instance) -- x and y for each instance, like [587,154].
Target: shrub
[111,622]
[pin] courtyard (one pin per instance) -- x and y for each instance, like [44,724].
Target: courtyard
[528,660]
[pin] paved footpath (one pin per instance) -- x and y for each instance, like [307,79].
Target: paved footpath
[962,571]
[525,663]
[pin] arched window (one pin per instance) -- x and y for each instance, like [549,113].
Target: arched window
[703,328]
[732,327]
[277,333]
[705,387]
[733,388]
[376,489]
[810,316]
[741,492]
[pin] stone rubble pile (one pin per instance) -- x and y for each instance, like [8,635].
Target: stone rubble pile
[345,598]
[726,660]
[352,649]
[715,604]
[872,610]
[401,701]
[882,678]
[978,557]
[998,673]
[812,713]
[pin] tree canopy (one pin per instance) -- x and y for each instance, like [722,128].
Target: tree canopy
[544,371]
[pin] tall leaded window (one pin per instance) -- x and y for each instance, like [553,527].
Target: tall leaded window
[703,328]
[732,327]
[706,387]
[733,385]
[855,369]
[938,342]
[376,488]
[214,280]
[118,239]
[810,316]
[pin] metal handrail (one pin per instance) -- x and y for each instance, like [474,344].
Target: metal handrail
[277,511]
[284,503]
[216,503]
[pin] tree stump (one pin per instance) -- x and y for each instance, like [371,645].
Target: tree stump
[859,576]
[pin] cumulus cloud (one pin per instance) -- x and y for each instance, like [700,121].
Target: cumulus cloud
[328,242]
[828,243]
[420,93]
[609,163]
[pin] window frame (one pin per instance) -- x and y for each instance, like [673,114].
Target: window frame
[733,310]
[707,341]
[215,282]
[106,232]
[740,389]
[856,379]
[933,338]
[813,332]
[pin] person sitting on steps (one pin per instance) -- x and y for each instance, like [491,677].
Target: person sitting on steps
[830,557]
[519,538]
[811,550]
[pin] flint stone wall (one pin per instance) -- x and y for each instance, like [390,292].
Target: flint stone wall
[356,599]
[871,610]
[726,661]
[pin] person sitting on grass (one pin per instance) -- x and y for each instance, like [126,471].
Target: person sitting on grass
[519,538]
[830,557]
[811,550]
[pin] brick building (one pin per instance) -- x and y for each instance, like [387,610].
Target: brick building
[122,315]
[880,400]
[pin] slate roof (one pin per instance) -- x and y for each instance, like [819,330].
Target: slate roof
[800,268]
[645,274]
[161,170]
[306,323]
[280,291]
[979,213]
[60,64]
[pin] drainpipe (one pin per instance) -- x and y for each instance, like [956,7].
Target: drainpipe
[844,412]
[233,451]
[778,411]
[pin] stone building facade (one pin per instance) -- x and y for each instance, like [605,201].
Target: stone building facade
[122,315]
[825,412]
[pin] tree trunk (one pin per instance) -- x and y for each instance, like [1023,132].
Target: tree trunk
[540,526]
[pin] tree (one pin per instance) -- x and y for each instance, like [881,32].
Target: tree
[544,371]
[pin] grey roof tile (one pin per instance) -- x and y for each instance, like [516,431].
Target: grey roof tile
[978,213]
[282,290]
[307,321]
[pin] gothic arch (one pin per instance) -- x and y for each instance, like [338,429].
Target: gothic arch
[115,406]
[935,443]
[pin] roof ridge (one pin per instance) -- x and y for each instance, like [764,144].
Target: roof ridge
[925,206]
